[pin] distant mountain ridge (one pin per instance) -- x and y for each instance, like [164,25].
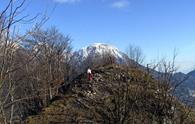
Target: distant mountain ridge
[188,83]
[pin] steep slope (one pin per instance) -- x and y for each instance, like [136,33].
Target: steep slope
[191,83]
[187,87]
[116,95]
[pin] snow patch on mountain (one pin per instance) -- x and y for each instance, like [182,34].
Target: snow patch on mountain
[99,49]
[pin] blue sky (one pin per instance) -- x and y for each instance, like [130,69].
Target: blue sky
[157,26]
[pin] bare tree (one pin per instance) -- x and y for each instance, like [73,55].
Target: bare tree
[164,72]
[9,42]
[12,65]
[52,59]
[135,53]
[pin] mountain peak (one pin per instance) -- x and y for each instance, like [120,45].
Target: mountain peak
[99,49]
[102,45]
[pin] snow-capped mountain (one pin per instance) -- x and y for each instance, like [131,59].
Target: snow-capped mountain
[98,50]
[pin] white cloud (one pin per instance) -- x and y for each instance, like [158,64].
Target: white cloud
[66,1]
[120,4]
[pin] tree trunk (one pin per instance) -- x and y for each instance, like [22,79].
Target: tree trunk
[12,110]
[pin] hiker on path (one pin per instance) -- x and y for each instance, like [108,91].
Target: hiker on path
[89,74]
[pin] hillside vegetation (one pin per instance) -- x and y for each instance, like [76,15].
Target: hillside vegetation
[118,95]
